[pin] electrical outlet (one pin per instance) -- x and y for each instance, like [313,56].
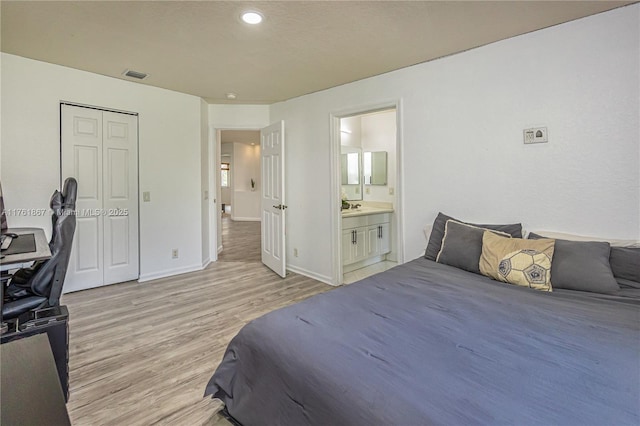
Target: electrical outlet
[367,190]
[174,253]
[206,195]
[295,252]
[536,135]
[146,196]
[391,191]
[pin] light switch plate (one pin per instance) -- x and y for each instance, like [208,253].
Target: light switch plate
[536,135]
[146,196]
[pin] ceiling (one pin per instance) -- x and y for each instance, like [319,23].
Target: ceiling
[240,136]
[204,49]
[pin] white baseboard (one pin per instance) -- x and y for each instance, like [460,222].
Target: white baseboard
[169,273]
[219,249]
[193,268]
[245,219]
[206,262]
[322,278]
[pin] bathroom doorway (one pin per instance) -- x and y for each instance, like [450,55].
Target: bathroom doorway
[367,234]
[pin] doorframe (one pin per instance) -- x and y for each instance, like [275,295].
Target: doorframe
[336,216]
[215,141]
[61,104]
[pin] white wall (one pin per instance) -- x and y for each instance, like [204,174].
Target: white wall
[351,136]
[462,119]
[169,147]
[252,117]
[246,203]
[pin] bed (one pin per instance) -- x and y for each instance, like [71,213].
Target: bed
[428,343]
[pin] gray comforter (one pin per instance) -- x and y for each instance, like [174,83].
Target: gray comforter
[425,343]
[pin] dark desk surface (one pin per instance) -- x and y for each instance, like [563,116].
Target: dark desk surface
[38,399]
[42,247]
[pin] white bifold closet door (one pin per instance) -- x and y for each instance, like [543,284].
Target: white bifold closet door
[100,149]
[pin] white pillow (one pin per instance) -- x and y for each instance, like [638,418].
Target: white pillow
[572,237]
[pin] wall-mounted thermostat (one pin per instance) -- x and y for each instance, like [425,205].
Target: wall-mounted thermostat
[536,135]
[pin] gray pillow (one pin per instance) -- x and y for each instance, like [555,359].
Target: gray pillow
[627,283]
[437,233]
[582,265]
[462,245]
[625,263]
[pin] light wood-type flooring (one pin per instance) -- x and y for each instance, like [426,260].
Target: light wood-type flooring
[142,353]
[241,241]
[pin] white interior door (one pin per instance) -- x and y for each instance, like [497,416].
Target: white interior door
[100,149]
[273,198]
[82,159]
[120,199]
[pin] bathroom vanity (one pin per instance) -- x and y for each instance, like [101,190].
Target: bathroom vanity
[366,236]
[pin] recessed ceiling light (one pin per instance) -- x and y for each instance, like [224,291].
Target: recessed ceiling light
[231,96]
[252,18]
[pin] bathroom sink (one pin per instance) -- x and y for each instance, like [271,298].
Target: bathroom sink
[352,212]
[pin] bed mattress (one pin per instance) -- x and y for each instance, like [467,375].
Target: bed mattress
[426,343]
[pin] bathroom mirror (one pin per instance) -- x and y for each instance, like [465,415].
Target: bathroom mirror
[351,167]
[375,168]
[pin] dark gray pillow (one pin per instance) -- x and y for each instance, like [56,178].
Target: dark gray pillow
[437,233]
[625,263]
[627,283]
[582,265]
[462,245]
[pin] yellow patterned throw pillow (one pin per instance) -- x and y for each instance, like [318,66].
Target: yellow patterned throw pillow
[517,261]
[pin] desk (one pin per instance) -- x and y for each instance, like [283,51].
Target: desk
[15,261]
[56,328]
[42,248]
[31,393]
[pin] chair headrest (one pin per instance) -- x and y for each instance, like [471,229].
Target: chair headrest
[56,201]
[70,192]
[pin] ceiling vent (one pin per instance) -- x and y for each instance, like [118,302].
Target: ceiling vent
[135,74]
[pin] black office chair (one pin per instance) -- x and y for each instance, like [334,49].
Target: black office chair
[40,285]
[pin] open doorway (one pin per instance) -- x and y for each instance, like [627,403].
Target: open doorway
[240,196]
[368,229]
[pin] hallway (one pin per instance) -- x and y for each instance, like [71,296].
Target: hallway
[240,241]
